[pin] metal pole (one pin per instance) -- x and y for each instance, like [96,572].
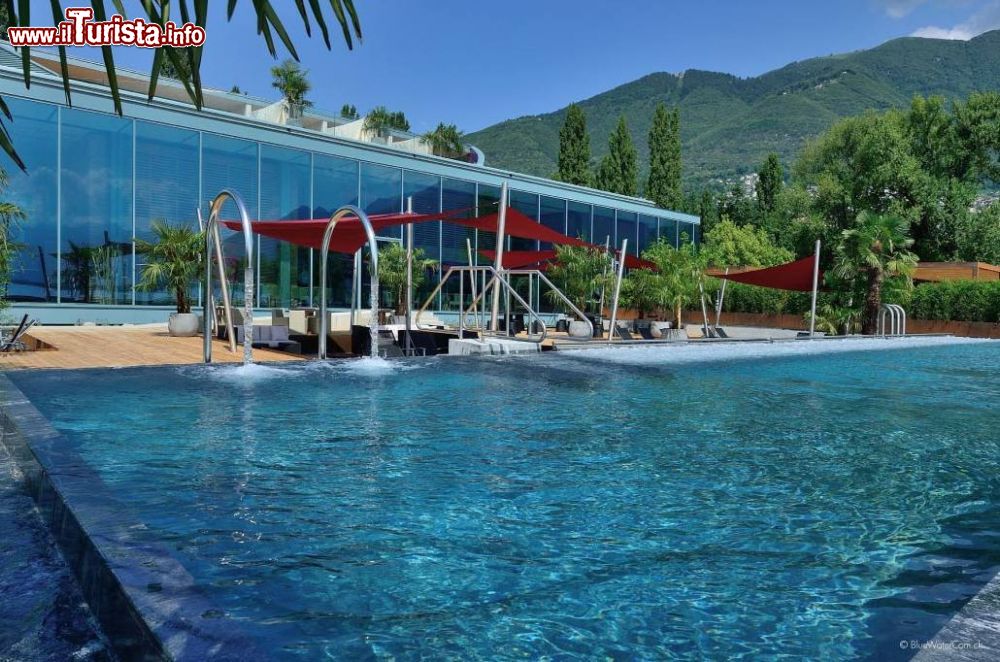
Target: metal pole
[227,304]
[472,282]
[812,314]
[704,310]
[618,290]
[498,263]
[331,225]
[722,297]
[409,277]
[604,277]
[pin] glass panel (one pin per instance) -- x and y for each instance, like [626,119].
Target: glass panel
[335,184]
[166,188]
[488,203]
[457,195]
[96,208]
[35,269]
[578,221]
[381,193]
[647,232]
[696,233]
[604,225]
[685,233]
[425,190]
[668,231]
[526,203]
[626,229]
[229,163]
[284,195]
[553,215]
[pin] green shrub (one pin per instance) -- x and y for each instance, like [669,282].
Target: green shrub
[961,300]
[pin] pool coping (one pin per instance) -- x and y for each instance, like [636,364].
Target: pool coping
[148,605]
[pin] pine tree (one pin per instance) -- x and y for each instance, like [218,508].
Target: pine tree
[619,171]
[664,184]
[770,179]
[574,148]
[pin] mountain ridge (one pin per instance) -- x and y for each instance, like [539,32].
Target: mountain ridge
[729,124]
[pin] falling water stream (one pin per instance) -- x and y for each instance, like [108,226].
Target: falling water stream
[248,315]
[373,322]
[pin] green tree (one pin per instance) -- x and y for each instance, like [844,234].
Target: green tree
[737,206]
[680,271]
[293,83]
[574,148]
[979,236]
[173,260]
[874,250]
[349,112]
[10,217]
[580,272]
[642,291]
[664,183]
[392,272]
[175,68]
[770,180]
[267,25]
[380,121]
[728,244]
[445,140]
[619,170]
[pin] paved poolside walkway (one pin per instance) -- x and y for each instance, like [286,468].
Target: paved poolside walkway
[123,346]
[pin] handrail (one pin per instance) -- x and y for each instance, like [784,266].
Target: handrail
[497,278]
[542,277]
[324,254]
[897,320]
[211,233]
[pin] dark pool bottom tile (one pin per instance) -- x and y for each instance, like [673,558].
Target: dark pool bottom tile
[43,615]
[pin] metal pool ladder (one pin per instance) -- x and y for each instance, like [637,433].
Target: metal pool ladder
[896,316]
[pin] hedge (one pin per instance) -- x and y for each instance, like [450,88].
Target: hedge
[959,300]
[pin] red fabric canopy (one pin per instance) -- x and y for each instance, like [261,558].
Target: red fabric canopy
[518,224]
[520,259]
[348,236]
[797,276]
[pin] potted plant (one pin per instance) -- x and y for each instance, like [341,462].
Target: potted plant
[292,82]
[392,275]
[579,272]
[173,260]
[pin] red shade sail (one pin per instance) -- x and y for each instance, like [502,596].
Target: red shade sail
[519,225]
[520,259]
[796,276]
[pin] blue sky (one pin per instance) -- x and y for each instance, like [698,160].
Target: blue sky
[474,63]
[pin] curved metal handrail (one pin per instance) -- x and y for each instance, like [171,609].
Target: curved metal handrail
[543,278]
[897,320]
[324,254]
[211,231]
[497,278]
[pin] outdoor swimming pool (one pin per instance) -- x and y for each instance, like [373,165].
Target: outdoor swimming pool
[624,502]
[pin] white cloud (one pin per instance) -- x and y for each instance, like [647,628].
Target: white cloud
[900,8]
[984,20]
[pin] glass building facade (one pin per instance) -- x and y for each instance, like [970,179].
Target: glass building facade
[96,181]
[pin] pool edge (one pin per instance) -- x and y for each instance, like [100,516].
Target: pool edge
[146,602]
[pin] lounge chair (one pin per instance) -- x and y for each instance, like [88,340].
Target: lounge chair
[623,333]
[646,332]
[14,343]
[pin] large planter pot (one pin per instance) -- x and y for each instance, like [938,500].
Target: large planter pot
[183,324]
[659,329]
[578,329]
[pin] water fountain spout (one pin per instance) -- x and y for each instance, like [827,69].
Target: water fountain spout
[211,232]
[348,210]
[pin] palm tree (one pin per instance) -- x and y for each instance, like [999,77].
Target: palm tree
[293,83]
[681,270]
[579,272]
[174,260]
[874,250]
[380,120]
[267,25]
[445,140]
[10,216]
[392,272]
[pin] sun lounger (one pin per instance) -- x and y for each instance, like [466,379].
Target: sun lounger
[624,333]
[14,342]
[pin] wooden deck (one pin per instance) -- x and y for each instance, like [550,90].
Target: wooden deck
[122,346]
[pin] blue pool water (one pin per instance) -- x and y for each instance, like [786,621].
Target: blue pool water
[628,503]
